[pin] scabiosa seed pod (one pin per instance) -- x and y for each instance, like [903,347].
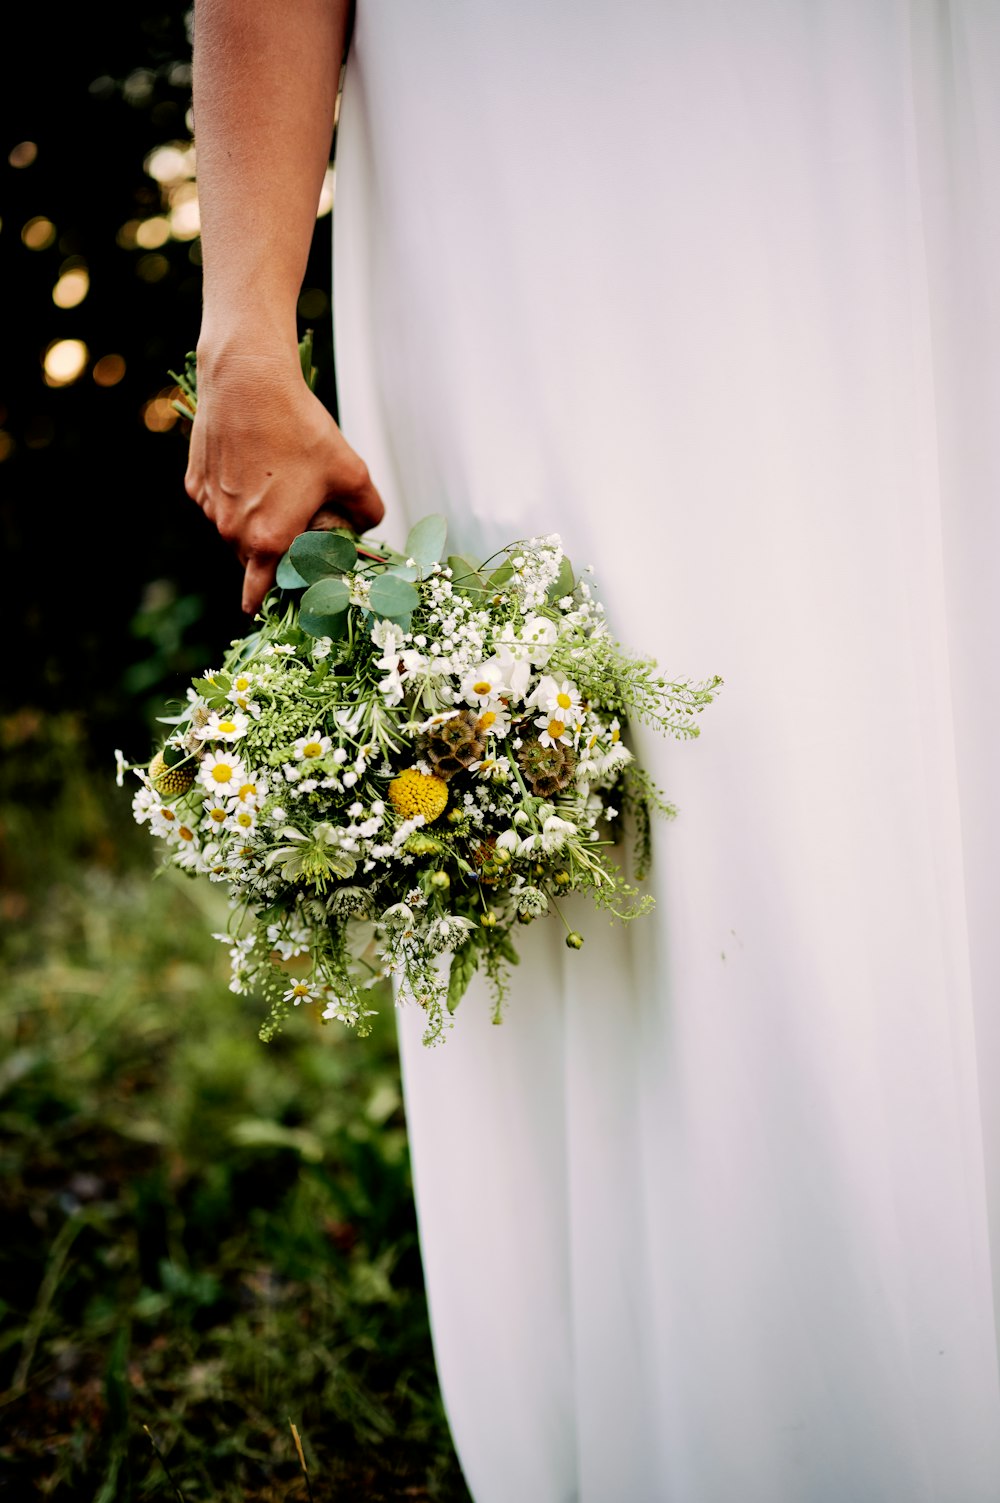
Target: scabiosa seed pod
[171,781]
[547,769]
[452,745]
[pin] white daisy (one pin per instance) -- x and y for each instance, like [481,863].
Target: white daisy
[216,813]
[243,821]
[221,772]
[495,718]
[223,727]
[253,792]
[302,991]
[565,702]
[483,682]
[163,820]
[553,730]
[312,746]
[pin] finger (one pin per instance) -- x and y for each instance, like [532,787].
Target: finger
[350,489]
[329,517]
[257,580]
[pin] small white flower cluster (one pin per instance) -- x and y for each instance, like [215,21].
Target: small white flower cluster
[377,800]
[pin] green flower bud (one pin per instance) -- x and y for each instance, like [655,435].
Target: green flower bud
[440,879]
[488,919]
[562,879]
[574,940]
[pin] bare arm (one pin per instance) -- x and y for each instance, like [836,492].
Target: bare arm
[265,454]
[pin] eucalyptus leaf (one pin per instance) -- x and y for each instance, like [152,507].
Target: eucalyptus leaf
[563,582]
[288,577]
[403,571]
[317,555]
[317,625]
[425,539]
[501,575]
[327,597]
[391,596]
[465,573]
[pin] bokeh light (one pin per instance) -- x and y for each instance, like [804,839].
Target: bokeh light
[23,154]
[159,413]
[109,370]
[138,87]
[72,287]
[65,362]
[6,445]
[152,233]
[171,164]
[152,268]
[313,303]
[39,233]
[185,218]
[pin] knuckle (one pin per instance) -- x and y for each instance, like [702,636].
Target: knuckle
[358,477]
[263,542]
[227,528]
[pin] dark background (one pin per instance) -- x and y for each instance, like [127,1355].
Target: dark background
[115,585]
[205,1238]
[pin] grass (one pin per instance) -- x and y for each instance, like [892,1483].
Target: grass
[207,1239]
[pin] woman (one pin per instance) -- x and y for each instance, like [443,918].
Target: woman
[706,286]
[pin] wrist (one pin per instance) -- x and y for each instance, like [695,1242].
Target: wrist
[235,348]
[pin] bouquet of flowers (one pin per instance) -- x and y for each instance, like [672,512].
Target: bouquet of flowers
[414,753]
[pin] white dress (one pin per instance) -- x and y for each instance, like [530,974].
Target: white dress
[712,288]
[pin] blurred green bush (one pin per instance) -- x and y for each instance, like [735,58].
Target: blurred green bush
[203,1234]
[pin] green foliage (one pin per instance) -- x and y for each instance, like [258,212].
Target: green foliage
[563,583]
[287,576]
[321,604]
[426,538]
[317,555]
[201,1236]
[392,596]
[463,968]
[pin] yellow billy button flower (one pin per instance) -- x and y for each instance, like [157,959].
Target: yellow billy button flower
[170,781]
[414,792]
